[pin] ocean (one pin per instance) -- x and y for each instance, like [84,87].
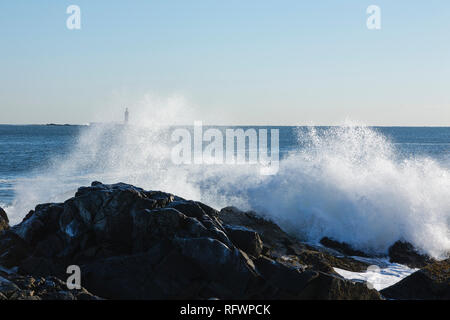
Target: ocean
[368,186]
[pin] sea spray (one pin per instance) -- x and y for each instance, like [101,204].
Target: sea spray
[348,183]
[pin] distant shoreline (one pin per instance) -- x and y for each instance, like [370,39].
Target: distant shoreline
[221,125]
[45,125]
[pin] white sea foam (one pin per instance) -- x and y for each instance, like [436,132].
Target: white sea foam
[379,278]
[349,184]
[345,182]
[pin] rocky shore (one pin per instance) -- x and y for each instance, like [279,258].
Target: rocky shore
[135,244]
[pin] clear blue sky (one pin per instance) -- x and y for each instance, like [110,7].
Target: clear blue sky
[251,62]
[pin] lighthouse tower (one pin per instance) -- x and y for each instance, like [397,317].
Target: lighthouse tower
[126,116]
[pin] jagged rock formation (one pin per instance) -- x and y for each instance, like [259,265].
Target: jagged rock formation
[342,247]
[17,287]
[429,283]
[405,253]
[137,244]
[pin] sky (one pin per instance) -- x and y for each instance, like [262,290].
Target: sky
[252,62]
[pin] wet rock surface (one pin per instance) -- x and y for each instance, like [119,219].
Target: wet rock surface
[342,247]
[280,246]
[430,283]
[136,244]
[404,253]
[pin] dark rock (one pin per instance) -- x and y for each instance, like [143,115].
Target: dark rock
[279,245]
[3,215]
[17,287]
[136,244]
[39,223]
[245,239]
[133,277]
[285,282]
[331,287]
[429,283]
[13,249]
[7,287]
[4,221]
[342,247]
[324,261]
[270,233]
[113,231]
[405,253]
[184,268]
[41,267]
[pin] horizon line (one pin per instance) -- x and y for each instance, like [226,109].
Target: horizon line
[228,125]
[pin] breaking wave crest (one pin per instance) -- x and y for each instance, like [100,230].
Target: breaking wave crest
[348,183]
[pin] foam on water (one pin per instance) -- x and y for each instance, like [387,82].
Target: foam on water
[349,184]
[346,182]
[378,278]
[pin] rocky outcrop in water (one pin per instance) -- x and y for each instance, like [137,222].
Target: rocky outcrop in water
[136,244]
[404,253]
[342,247]
[284,248]
[429,283]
